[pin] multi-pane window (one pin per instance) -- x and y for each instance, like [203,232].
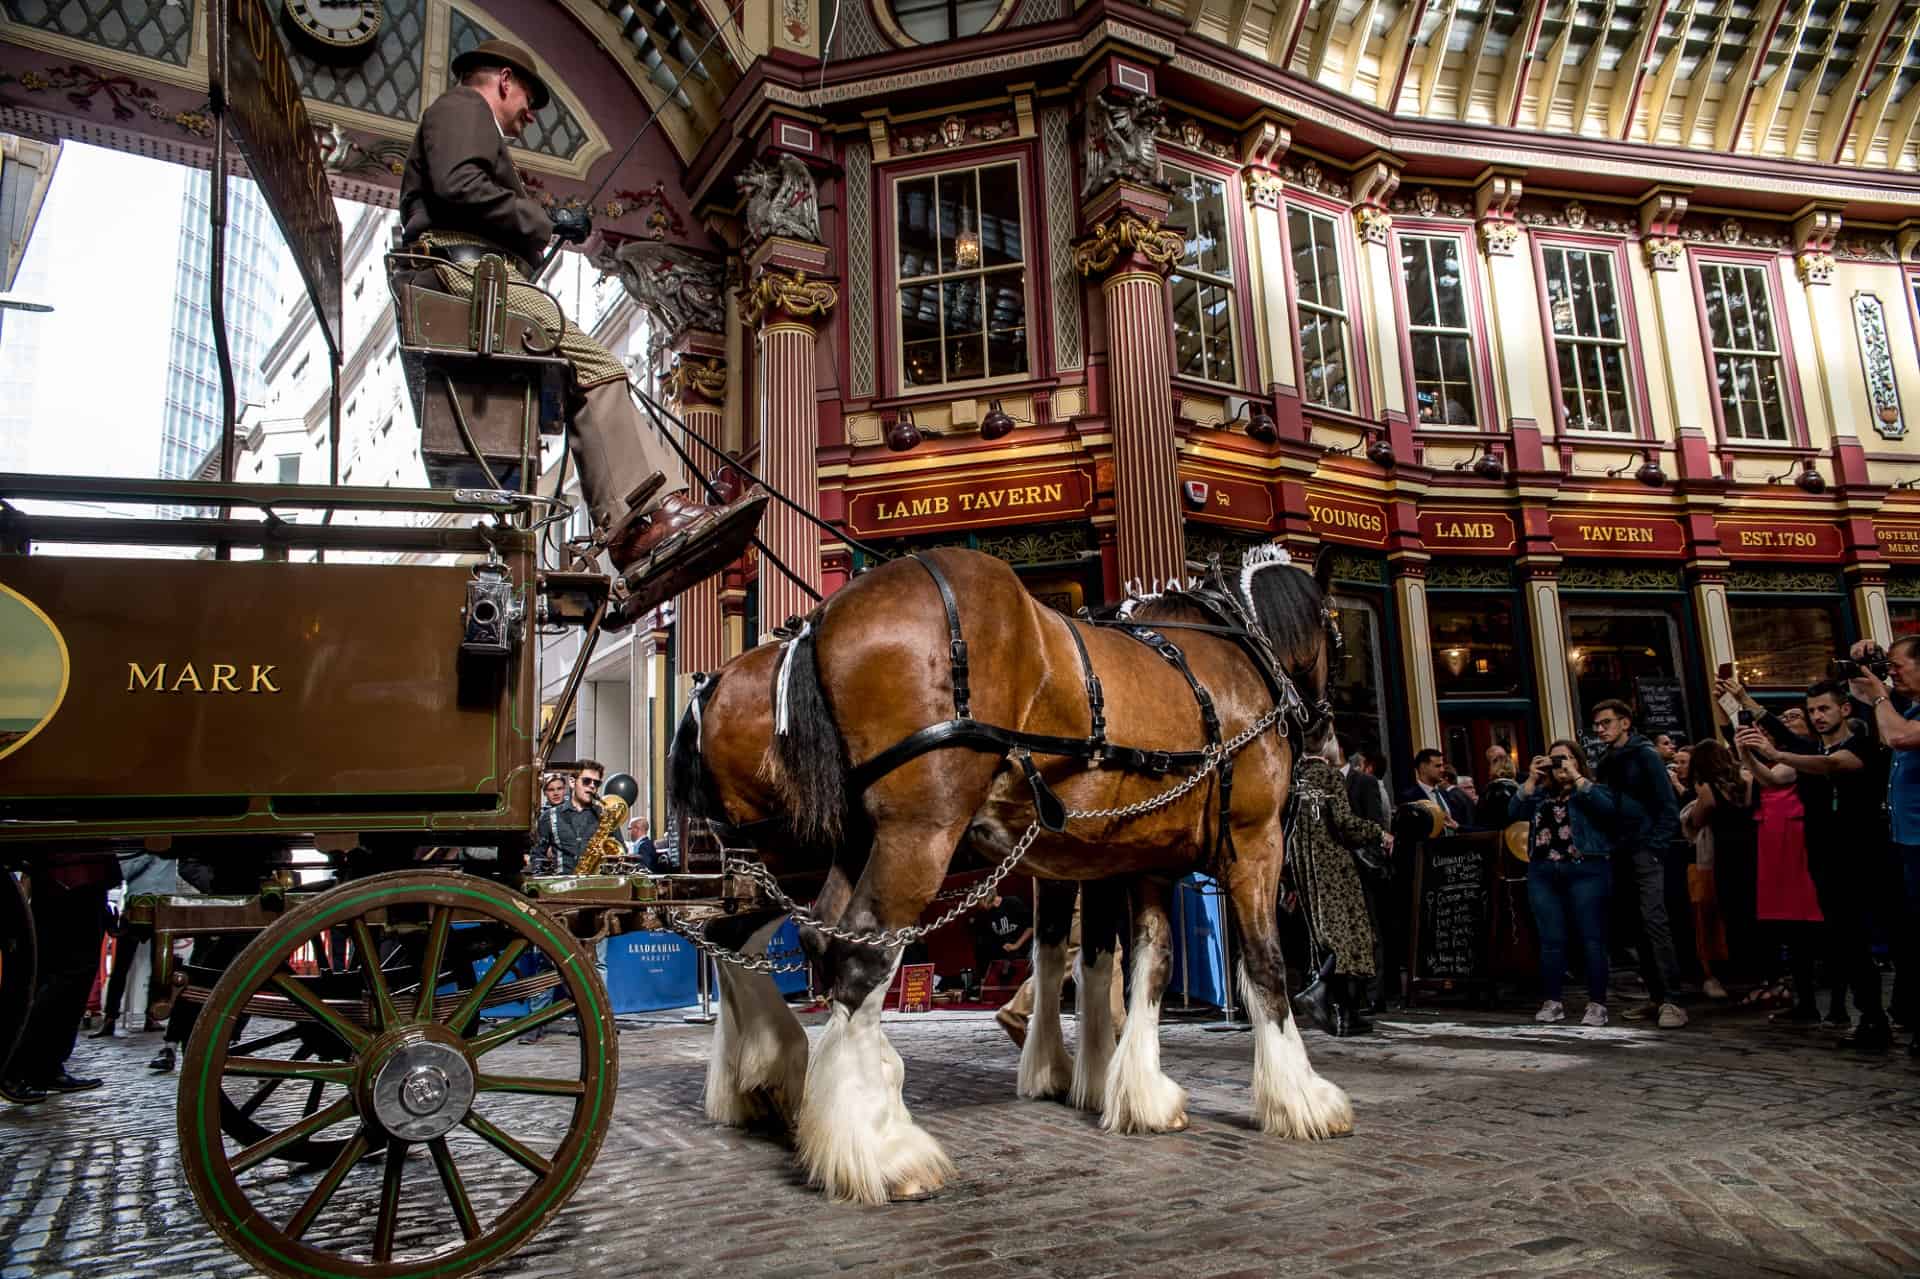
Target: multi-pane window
[1430,268]
[1202,284]
[1325,350]
[1746,351]
[962,276]
[1589,339]
[931,21]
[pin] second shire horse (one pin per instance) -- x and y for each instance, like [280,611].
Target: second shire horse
[951,650]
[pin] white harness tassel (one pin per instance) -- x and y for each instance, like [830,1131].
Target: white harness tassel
[786,670]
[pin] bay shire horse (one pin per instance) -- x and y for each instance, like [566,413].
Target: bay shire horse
[885,751]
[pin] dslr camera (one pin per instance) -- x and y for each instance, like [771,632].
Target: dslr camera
[1844,667]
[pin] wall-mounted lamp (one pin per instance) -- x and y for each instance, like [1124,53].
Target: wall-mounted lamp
[1378,448]
[1908,483]
[1649,472]
[1487,465]
[1252,417]
[1808,481]
[903,434]
[997,424]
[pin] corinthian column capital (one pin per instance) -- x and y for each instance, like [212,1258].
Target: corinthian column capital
[694,380]
[1128,239]
[774,294]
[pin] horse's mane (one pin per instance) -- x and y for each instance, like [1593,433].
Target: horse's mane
[1287,603]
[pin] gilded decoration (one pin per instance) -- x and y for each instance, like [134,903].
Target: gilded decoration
[1429,203]
[1193,135]
[1350,567]
[1264,187]
[1876,357]
[1204,543]
[1047,545]
[1448,575]
[1600,577]
[1125,233]
[696,379]
[1664,252]
[1372,222]
[1308,176]
[1903,584]
[1782,581]
[1814,267]
[953,132]
[662,220]
[1500,237]
[125,98]
[793,295]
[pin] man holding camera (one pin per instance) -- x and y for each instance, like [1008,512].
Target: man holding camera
[1896,719]
[1840,781]
[1649,822]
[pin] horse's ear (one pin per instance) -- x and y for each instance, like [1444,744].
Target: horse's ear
[1323,569]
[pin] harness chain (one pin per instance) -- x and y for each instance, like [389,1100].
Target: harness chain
[889,938]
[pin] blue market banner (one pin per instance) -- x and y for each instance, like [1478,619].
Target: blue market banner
[1199,917]
[785,949]
[647,972]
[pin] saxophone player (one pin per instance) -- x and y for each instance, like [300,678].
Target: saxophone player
[566,827]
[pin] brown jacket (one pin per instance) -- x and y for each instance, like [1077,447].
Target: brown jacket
[460,176]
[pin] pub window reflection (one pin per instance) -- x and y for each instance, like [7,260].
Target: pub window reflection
[1905,615]
[1786,646]
[1615,653]
[1357,678]
[1474,649]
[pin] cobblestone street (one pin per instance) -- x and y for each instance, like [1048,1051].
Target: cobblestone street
[1485,1145]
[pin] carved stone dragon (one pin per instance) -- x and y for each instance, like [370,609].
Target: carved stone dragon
[679,288]
[781,200]
[1120,140]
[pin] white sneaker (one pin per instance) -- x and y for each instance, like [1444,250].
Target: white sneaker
[1596,1015]
[1552,1010]
[1713,989]
[1672,1016]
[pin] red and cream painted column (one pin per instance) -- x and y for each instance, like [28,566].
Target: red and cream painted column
[786,303]
[1130,252]
[696,387]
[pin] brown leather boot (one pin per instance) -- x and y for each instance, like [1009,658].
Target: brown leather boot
[684,543]
[622,461]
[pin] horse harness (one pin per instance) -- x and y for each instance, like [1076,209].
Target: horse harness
[1096,749]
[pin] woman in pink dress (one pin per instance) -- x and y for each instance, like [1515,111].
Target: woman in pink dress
[1785,905]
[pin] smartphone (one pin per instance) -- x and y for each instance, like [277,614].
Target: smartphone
[1745,718]
[1726,670]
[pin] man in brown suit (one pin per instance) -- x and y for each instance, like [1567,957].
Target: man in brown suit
[461,196]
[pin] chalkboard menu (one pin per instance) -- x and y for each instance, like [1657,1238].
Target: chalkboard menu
[1663,706]
[1453,909]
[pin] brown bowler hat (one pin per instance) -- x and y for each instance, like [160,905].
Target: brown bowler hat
[505,53]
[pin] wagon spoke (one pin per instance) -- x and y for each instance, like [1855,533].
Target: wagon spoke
[486,1043]
[520,1154]
[356,1038]
[274,1040]
[531,1086]
[389,1217]
[456,1188]
[477,997]
[430,962]
[313,1095]
[387,1016]
[343,1163]
[267,1147]
[279,1070]
[259,1097]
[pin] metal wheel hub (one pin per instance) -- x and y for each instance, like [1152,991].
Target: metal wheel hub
[422,1090]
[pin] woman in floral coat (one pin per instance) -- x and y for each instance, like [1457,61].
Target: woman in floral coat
[1320,863]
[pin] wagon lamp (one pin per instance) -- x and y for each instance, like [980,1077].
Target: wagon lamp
[1252,416]
[1649,473]
[1487,465]
[1808,480]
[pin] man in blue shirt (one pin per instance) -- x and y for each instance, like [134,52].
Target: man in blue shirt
[1896,719]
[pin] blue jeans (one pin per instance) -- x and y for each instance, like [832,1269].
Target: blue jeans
[1571,894]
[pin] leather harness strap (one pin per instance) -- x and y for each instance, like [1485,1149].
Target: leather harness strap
[956,644]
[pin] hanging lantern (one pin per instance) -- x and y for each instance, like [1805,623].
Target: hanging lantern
[966,247]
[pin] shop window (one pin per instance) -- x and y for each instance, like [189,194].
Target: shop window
[289,468]
[931,21]
[1620,654]
[1783,646]
[1747,364]
[1475,653]
[1905,617]
[1589,340]
[1326,351]
[1439,329]
[962,276]
[1357,680]
[1202,284]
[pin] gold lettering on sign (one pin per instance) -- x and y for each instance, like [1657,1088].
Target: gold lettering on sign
[1777,539]
[1461,531]
[187,679]
[1615,533]
[1340,517]
[986,499]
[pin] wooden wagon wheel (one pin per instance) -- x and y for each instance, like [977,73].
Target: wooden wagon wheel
[16,963]
[473,1159]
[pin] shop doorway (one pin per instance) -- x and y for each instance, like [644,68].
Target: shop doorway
[1467,736]
[1634,656]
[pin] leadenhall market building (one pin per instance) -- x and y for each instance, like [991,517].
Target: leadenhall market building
[1581,335]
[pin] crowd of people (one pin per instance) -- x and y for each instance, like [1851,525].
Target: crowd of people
[1773,856]
[570,817]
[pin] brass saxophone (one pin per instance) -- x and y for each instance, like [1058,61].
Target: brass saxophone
[605,843]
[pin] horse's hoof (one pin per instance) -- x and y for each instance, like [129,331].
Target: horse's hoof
[911,1192]
[1179,1124]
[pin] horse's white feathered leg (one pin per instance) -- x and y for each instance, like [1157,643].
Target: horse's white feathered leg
[1094,998]
[1289,1098]
[1140,1097]
[758,1065]
[1045,1068]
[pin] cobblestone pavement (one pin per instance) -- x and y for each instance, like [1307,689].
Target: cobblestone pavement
[1485,1145]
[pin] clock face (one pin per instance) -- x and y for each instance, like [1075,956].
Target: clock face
[334,30]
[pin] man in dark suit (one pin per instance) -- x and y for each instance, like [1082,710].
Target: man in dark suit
[1365,795]
[1430,784]
[461,197]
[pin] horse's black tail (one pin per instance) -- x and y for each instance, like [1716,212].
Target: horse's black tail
[810,755]
[690,793]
